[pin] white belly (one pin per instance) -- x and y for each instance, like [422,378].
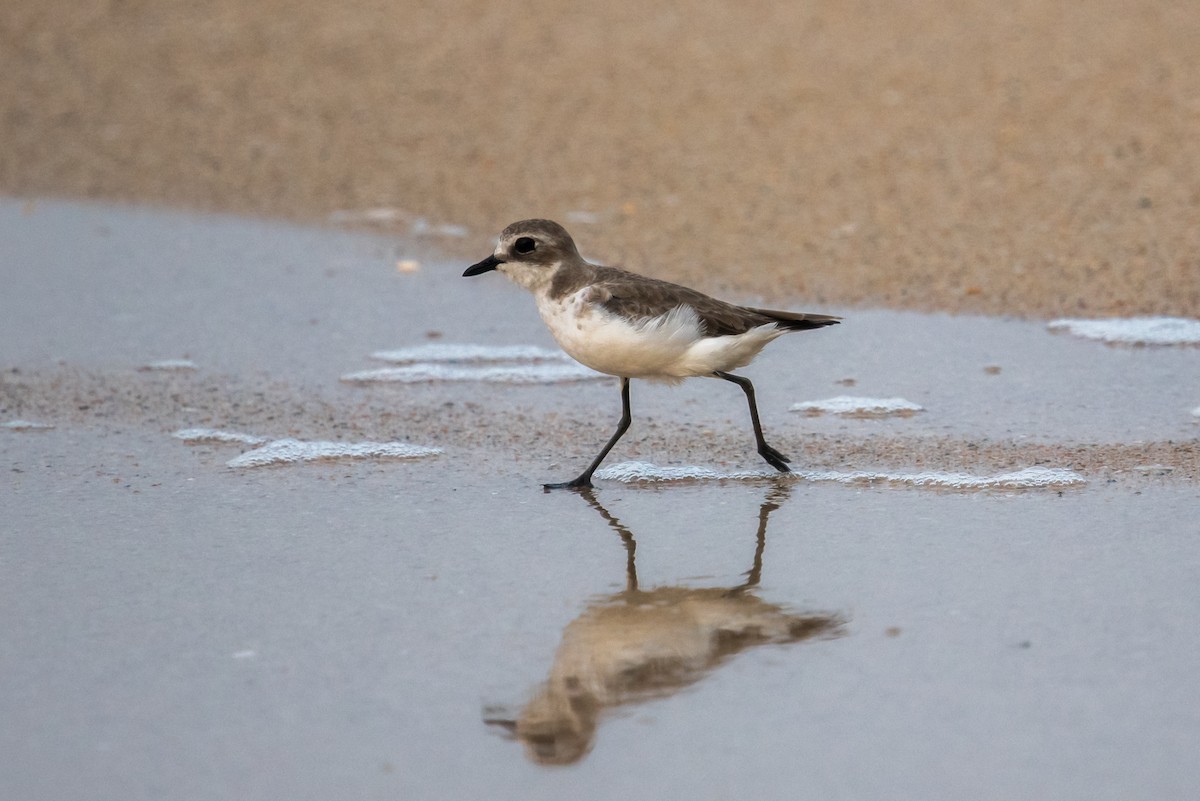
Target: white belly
[668,348]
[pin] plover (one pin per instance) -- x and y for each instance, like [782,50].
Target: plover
[631,326]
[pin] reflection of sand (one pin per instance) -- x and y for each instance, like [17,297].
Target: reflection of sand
[641,644]
[932,154]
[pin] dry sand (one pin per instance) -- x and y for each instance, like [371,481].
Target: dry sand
[1027,158]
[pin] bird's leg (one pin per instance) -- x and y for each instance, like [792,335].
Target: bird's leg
[773,457]
[584,479]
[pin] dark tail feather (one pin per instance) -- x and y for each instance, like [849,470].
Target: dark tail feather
[799,321]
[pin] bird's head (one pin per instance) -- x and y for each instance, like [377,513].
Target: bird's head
[529,252]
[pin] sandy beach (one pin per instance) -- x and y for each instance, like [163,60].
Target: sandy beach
[1035,160]
[244,553]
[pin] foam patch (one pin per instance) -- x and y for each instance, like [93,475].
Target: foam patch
[1029,478]
[544,373]
[25,425]
[497,364]
[1134,330]
[859,407]
[470,353]
[215,435]
[171,365]
[294,451]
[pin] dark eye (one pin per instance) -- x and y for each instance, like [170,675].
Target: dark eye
[524,245]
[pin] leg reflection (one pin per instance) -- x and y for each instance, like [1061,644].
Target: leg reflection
[640,643]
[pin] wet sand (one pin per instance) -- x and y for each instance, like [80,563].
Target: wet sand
[546,442]
[102,292]
[1037,160]
[388,627]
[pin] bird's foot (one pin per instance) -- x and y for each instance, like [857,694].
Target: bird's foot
[582,482]
[774,458]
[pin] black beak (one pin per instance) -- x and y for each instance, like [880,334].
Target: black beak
[487,265]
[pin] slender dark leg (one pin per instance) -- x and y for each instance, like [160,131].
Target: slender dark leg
[584,479]
[773,457]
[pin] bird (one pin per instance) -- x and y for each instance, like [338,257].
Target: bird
[632,326]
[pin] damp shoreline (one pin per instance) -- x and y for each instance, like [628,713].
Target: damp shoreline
[222,555]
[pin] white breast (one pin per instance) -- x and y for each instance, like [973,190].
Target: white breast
[669,347]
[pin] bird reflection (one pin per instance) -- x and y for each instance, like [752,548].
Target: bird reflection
[638,644]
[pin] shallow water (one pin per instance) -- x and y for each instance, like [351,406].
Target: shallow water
[439,627]
[352,627]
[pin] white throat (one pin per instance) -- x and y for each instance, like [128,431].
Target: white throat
[534,277]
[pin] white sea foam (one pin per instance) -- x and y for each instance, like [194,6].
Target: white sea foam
[862,407]
[1029,478]
[1134,330]
[1196,412]
[544,373]
[292,451]
[440,353]
[25,425]
[505,364]
[169,365]
[216,435]
[630,472]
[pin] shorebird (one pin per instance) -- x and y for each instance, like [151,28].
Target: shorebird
[631,326]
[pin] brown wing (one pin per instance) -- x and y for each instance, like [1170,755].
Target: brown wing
[636,297]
